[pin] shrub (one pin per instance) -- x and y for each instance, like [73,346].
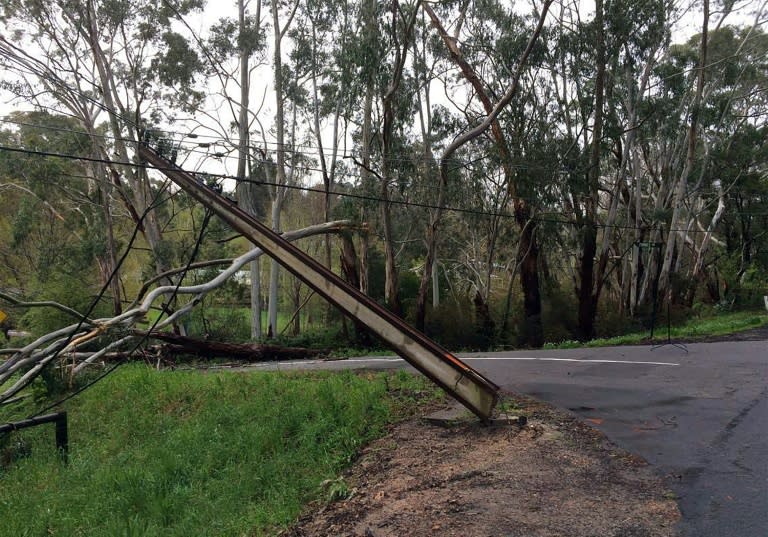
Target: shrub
[453,325]
[219,324]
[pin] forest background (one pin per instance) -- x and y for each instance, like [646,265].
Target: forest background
[498,175]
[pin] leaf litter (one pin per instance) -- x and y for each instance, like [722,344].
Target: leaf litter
[554,477]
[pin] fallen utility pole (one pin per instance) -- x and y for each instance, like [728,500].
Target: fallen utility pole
[466,385]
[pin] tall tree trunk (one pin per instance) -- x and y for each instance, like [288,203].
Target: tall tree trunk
[328,172]
[588,299]
[109,257]
[529,249]
[431,235]
[697,272]
[682,183]
[484,324]
[279,192]
[371,28]
[111,253]
[364,261]
[297,307]
[349,270]
[274,275]
[327,177]
[256,329]
[634,294]
[624,183]
[137,178]
[528,260]
[243,168]
[435,285]
[391,287]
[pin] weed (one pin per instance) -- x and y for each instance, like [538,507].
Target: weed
[336,489]
[508,406]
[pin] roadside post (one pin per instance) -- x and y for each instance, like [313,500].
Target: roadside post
[62,432]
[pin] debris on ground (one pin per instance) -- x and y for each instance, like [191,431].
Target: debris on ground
[553,476]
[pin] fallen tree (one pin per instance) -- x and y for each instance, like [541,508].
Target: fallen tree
[176,349]
[175,345]
[118,334]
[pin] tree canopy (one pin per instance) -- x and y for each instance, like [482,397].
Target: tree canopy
[506,176]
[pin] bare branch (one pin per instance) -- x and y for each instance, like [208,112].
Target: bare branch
[66,341]
[44,304]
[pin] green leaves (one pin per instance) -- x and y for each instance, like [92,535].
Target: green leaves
[177,63]
[225,40]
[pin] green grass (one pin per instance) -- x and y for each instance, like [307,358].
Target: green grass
[723,324]
[182,453]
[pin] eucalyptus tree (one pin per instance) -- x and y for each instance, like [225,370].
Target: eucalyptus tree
[600,71]
[705,100]
[741,165]
[433,121]
[374,66]
[326,42]
[735,111]
[249,41]
[394,110]
[322,52]
[672,244]
[53,225]
[741,161]
[117,62]
[635,37]
[242,41]
[282,18]
[732,110]
[368,51]
[495,20]
[587,217]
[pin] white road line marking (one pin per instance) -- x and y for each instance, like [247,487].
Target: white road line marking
[473,358]
[544,359]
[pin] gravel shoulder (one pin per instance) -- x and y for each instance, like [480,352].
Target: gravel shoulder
[556,476]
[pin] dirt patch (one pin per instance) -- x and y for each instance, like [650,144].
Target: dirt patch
[554,477]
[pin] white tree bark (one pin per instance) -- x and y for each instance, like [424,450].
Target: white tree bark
[279,191]
[30,360]
[682,182]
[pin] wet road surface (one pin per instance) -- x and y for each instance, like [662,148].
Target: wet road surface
[700,418]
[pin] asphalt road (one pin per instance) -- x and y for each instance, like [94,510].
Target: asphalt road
[700,418]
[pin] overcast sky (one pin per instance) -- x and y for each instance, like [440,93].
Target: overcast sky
[688,25]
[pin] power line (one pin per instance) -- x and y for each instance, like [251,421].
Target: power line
[145,337]
[288,148]
[364,197]
[192,147]
[287,186]
[226,141]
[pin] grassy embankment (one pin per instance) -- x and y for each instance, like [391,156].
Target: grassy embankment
[182,453]
[692,329]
